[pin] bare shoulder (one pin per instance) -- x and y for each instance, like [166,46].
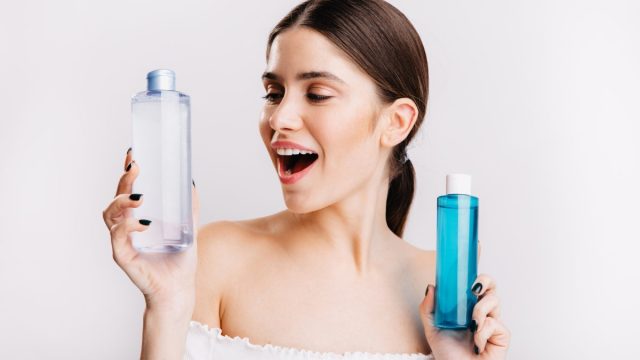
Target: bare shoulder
[220,239]
[224,250]
[422,261]
[221,234]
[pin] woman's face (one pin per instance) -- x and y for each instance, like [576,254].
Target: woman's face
[318,99]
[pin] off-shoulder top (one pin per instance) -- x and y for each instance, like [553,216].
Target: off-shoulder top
[204,343]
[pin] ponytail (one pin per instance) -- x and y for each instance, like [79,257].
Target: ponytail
[400,196]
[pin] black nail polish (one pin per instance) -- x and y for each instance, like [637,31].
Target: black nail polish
[194,183]
[474,326]
[129,166]
[135,197]
[144,221]
[426,291]
[475,349]
[128,151]
[477,288]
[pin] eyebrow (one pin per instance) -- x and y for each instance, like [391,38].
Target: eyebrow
[305,76]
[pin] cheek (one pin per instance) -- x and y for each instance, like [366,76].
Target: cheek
[355,131]
[265,129]
[349,142]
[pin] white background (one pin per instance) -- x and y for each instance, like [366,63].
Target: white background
[537,100]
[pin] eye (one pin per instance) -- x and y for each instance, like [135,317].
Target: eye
[272,97]
[317,98]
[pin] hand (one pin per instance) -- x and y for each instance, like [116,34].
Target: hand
[167,281]
[488,339]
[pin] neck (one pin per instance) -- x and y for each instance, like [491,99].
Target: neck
[354,229]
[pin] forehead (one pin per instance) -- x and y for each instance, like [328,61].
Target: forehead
[302,49]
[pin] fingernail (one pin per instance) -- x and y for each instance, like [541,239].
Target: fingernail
[474,326]
[426,291]
[475,349]
[129,166]
[135,197]
[128,151]
[144,221]
[477,288]
[194,183]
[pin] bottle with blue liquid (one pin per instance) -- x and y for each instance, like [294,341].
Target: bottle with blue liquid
[457,254]
[161,147]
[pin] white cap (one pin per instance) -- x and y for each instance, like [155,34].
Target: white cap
[459,184]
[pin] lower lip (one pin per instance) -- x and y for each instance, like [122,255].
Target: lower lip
[293,178]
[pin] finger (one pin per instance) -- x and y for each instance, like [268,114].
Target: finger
[115,212]
[128,157]
[125,184]
[493,336]
[489,305]
[482,284]
[426,311]
[195,204]
[123,250]
[196,212]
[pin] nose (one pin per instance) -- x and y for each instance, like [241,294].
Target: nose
[286,116]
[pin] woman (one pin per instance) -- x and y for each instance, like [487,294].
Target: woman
[346,90]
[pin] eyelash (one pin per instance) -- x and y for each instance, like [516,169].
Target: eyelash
[313,97]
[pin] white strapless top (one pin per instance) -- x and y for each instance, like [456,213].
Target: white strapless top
[204,343]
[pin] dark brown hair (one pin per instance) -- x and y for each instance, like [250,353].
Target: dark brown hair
[384,43]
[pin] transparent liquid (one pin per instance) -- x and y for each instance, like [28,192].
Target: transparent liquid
[161,148]
[457,260]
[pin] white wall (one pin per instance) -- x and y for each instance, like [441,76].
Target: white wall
[538,100]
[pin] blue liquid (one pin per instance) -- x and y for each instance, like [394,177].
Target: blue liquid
[457,260]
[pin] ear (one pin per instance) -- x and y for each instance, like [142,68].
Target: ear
[400,118]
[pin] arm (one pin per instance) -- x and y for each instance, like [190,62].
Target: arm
[167,281]
[166,322]
[164,334]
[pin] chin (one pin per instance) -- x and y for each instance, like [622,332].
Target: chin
[297,205]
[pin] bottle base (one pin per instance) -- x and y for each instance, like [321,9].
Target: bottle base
[451,326]
[163,248]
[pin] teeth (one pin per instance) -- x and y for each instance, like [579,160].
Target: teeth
[288,152]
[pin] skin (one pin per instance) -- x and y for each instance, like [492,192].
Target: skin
[324,251]
[326,274]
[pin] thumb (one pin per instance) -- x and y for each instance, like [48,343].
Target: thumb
[426,311]
[195,213]
[195,204]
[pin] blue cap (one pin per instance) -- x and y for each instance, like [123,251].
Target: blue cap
[162,79]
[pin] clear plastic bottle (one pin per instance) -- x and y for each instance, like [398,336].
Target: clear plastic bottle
[161,148]
[457,254]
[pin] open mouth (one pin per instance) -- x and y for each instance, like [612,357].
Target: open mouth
[291,164]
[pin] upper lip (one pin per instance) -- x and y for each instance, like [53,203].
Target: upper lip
[288,145]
